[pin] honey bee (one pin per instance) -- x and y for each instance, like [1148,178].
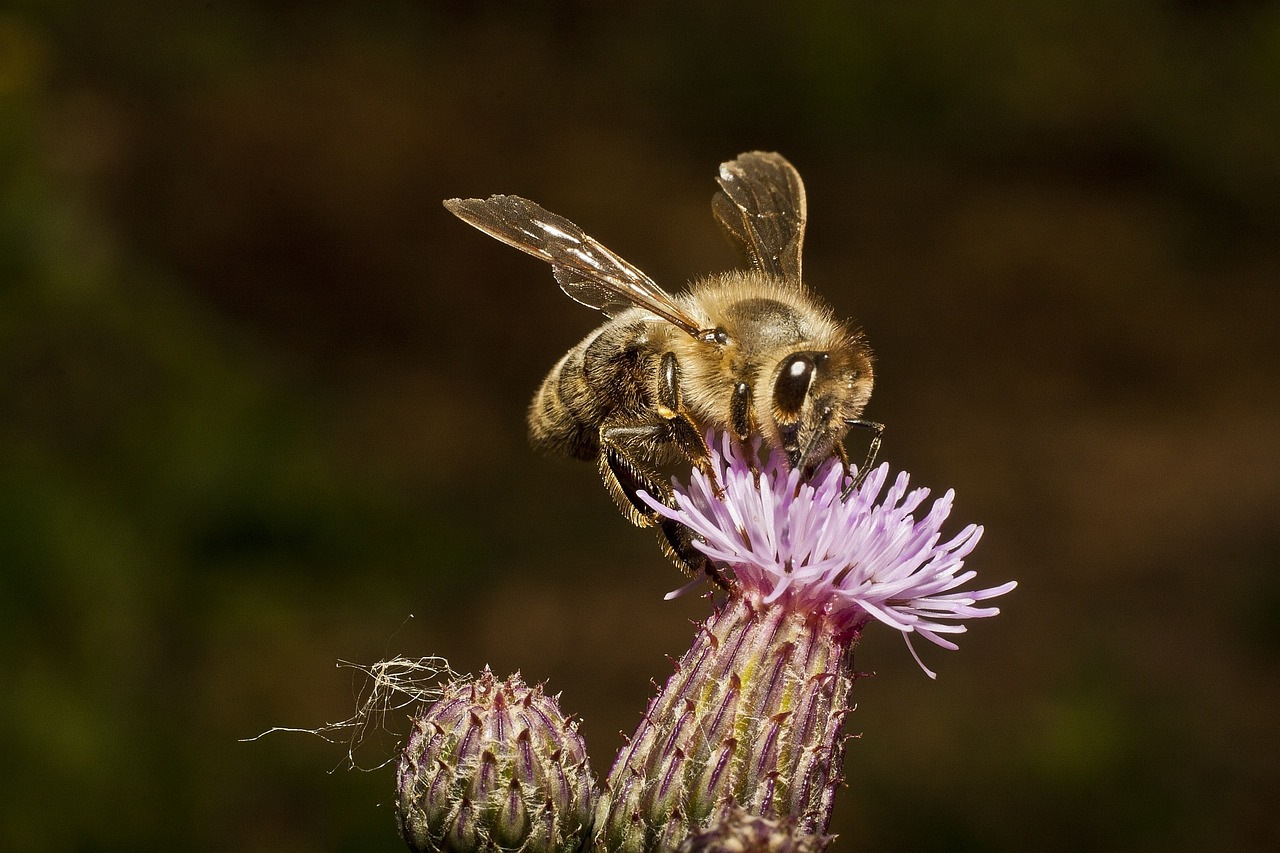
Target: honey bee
[753,352]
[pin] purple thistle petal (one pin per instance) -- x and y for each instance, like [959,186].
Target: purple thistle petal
[864,558]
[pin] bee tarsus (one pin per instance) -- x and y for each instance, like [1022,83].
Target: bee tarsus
[873,450]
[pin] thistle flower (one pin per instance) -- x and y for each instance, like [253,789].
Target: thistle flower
[494,765]
[752,716]
[856,560]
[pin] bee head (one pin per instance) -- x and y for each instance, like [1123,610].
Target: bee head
[813,394]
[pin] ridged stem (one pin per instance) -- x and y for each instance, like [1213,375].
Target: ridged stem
[751,717]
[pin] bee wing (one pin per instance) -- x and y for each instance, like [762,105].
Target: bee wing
[585,270]
[761,207]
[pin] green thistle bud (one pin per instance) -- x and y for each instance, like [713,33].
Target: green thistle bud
[742,832]
[494,765]
[751,718]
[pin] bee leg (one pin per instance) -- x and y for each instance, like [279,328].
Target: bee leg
[677,543]
[873,451]
[624,477]
[681,430]
[740,421]
[847,480]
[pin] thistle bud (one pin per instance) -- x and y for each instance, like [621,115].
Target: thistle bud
[739,831]
[751,718]
[494,765]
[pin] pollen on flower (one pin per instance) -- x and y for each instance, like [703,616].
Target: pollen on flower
[796,542]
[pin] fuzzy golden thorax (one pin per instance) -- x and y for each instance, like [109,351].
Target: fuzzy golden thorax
[807,374]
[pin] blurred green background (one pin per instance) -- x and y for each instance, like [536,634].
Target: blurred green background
[262,398]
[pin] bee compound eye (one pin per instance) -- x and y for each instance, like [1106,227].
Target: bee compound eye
[792,384]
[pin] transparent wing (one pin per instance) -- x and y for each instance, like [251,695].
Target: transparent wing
[761,207]
[587,271]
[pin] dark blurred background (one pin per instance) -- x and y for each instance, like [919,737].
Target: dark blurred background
[262,398]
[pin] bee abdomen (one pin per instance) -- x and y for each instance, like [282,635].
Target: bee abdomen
[605,376]
[562,416]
